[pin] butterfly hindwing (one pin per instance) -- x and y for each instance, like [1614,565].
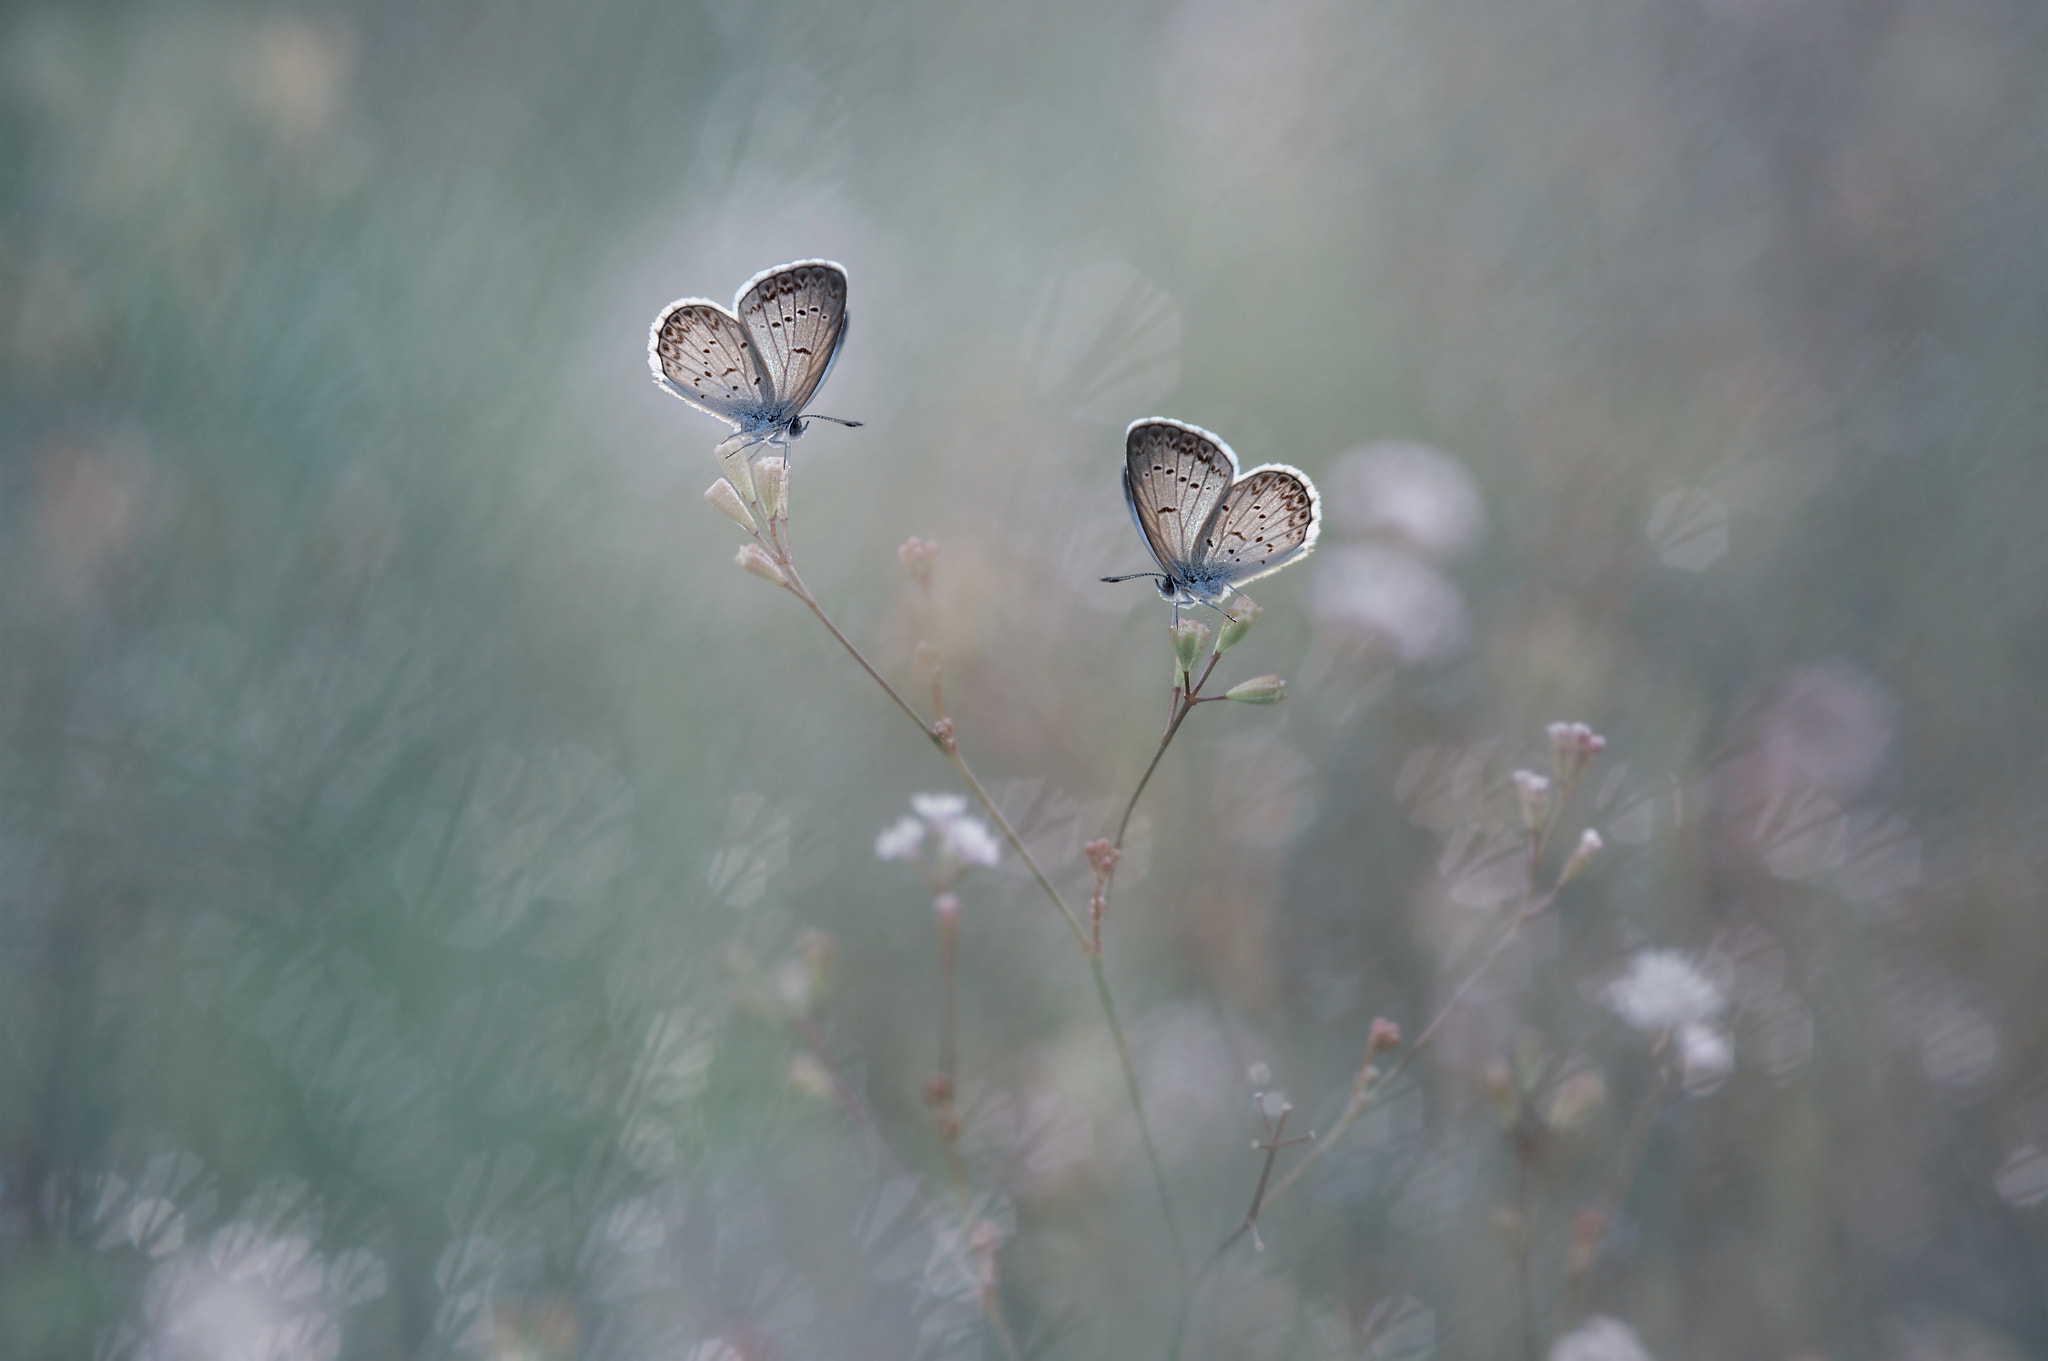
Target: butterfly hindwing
[1267,519]
[796,316]
[1174,476]
[699,351]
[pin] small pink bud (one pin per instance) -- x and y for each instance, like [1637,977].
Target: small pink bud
[1582,856]
[917,555]
[1385,1035]
[1102,856]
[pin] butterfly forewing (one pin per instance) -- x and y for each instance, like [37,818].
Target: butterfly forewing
[796,316]
[1174,476]
[705,358]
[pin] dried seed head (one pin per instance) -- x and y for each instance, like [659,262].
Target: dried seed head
[1258,690]
[1242,615]
[727,501]
[1190,640]
[771,480]
[732,454]
[760,564]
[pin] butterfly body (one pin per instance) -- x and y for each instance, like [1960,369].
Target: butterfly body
[1210,528]
[758,365]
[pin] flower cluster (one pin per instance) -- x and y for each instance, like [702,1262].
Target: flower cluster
[1664,993]
[939,836]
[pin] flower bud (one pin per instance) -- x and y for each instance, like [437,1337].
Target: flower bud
[771,480]
[1102,856]
[1190,638]
[917,556]
[1572,748]
[1258,690]
[1242,616]
[1582,856]
[1532,794]
[1385,1035]
[733,455]
[1576,1099]
[760,564]
[727,501]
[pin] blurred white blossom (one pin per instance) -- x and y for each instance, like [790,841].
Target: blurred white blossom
[1410,492]
[900,840]
[1661,990]
[1706,1055]
[969,841]
[939,835]
[1600,1338]
[938,808]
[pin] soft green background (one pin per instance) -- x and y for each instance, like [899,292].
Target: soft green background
[393,764]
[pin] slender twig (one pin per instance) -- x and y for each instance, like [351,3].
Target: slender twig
[1366,1093]
[802,592]
[941,735]
[1184,700]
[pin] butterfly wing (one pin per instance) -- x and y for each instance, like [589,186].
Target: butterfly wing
[796,317]
[1267,519]
[1174,476]
[698,351]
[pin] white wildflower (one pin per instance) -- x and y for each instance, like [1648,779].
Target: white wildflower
[970,842]
[1600,1338]
[938,809]
[1663,989]
[901,840]
[1707,1056]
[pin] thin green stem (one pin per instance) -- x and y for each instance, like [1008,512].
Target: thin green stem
[942,737]
[952,750]
[1184,702]
[802,592]
[1365,1094]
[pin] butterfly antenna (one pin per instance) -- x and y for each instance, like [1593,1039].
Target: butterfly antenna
[837,420]
[1137,576]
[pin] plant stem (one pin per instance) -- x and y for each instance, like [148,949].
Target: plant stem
[1365,1094]
[941,736]
[1183,703]
[802,592]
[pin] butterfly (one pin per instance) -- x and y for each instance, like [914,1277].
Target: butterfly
[1209,528]
[756,366]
